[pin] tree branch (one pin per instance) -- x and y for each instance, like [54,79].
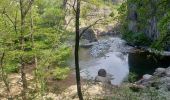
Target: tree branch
[4,76]
[72,6]
[88,27]
[10,19]
[69,22]
[28,7]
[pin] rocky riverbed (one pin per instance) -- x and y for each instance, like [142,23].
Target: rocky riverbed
[160,80]
[103,46]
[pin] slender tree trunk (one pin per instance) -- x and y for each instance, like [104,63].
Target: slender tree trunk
[32,36]
[24,8]
[77,51]
[22,67]
[64,4]
[4,76]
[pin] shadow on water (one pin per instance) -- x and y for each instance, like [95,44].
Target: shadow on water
[146,63]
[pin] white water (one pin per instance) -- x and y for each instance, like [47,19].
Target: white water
[113,55]
[109,54]
[115,64]
[113,60]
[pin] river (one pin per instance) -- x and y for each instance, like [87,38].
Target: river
[118,59]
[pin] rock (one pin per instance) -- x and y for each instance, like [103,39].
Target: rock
[103,77]
[146,80]
[88,34]
[88,45]
[99,48]
[155,84]
[160,72]
[147,76]
[136,88]
[160,81]
[168,87]
[165,80]
[114,44]
[102,72]
[167,72]
[164,84]
[103,80]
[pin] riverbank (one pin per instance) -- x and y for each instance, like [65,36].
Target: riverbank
[150,87]
[112,54]
[154,87]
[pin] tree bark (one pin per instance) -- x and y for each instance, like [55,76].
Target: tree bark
[64,4]
[77,51]
[32,36]
[23,11]
[4,76]
[22,67]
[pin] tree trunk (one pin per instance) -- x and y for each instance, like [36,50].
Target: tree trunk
[32,36]
[23,12]
[77,51]
[64,4]
[4,76]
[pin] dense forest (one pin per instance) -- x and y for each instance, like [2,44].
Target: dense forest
[84,49]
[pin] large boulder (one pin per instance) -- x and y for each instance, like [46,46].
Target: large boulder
[145,81]
[88,34]
[167,72]
[160,79]
[147,76]
[103,77]
[160,72]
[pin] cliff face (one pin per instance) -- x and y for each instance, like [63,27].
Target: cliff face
[142,17]
[150,17]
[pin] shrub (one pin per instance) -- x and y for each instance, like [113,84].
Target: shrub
[132,77]
[61,73]
[137,38]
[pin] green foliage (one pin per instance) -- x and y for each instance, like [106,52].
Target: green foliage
[11,68]
[146,10]
[49,36]
[126,93]
[137,38]
[60,73]
[164,40]
[132,77]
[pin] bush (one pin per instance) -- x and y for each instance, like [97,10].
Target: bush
[61,73]
[132,77]
[11,69]
[148,93]
[137,38]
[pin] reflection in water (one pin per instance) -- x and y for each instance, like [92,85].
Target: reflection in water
[115,63]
